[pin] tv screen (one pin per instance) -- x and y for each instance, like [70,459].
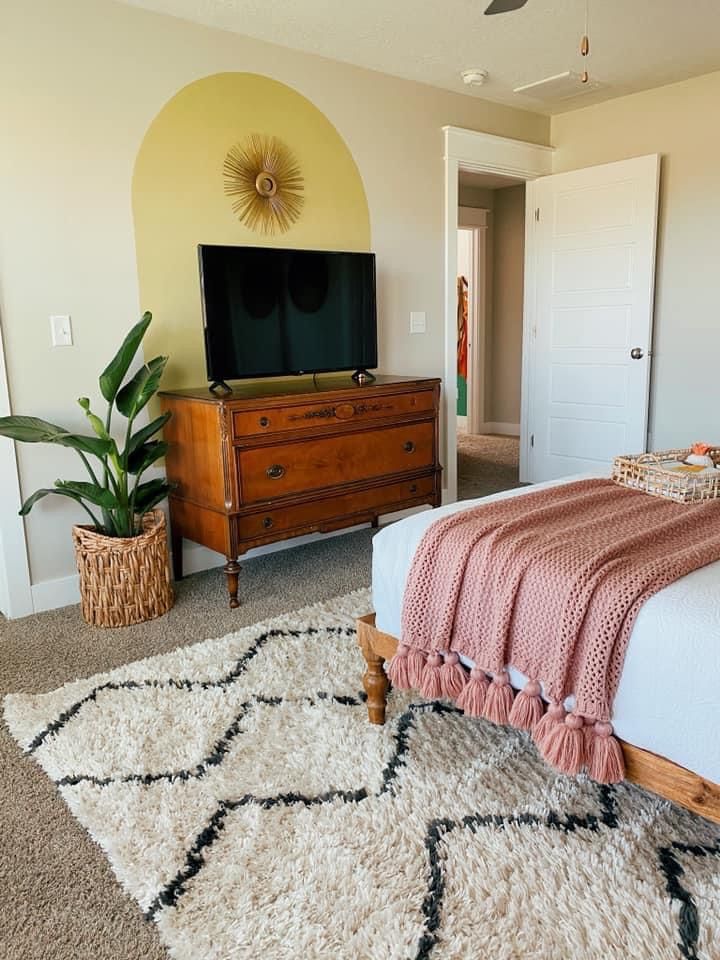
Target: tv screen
[269,312]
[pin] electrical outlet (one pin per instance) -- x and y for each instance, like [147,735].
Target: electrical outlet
[417,321]
[61,330]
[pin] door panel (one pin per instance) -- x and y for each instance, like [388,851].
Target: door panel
[594,283]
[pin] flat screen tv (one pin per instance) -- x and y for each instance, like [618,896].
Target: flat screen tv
[273,312]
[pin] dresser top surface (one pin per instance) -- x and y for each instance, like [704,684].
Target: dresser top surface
[298,386]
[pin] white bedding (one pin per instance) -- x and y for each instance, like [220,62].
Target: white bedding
[668,700]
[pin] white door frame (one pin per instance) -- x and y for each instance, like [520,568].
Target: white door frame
[15,593]
[475,219]
[479,153]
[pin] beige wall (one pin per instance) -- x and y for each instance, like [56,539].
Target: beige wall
[82,80]
[479,197]
[680,123]
[506,312]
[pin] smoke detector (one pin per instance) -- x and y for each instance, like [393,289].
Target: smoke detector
[474,77]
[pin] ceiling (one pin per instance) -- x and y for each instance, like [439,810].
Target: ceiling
[635,44]
[489,181]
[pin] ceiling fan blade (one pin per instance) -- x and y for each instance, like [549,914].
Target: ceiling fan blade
[504,6]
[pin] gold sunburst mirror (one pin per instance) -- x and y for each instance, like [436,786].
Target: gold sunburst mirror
[264,181]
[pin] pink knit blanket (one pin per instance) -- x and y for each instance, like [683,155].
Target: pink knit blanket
[551,583]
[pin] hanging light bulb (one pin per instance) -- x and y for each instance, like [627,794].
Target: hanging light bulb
[585,44]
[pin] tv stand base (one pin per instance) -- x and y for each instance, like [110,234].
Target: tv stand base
[220,388]
[362,376]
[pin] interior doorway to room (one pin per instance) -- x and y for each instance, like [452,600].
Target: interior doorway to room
[490,279]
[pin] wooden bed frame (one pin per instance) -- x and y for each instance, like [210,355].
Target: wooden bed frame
[647,769]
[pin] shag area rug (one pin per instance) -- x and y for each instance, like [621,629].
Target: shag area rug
[251,810]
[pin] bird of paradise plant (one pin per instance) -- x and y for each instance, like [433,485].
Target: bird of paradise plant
[114,497]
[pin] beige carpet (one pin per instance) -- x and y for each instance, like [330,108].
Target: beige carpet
[486,464]
[59,899]
[249,808]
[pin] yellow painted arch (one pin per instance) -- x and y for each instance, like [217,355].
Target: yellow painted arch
[178,199]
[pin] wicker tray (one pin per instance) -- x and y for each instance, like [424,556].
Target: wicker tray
[650,472]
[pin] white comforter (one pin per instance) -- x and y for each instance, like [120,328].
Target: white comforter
[668,700]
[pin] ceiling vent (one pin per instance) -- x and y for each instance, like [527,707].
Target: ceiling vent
[562,86]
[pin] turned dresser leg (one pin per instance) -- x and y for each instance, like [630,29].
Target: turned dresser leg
[376,685]
[232,572]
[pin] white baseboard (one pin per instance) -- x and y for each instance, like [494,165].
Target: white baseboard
[462,423]
[509,429]
[50,594]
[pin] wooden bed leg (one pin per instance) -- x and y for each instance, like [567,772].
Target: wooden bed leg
[375,680]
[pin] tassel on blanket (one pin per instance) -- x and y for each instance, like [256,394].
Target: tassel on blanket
[605,759]
[453,676]
[499,699]
[416,667]
[431,681]
[554,714]
[398,668]
[564,745]
[527,710]
[472,698]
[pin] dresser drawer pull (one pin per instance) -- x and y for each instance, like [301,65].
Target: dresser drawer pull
[264,422]
[275,471]
[413,488]
[409,446]
[267,522]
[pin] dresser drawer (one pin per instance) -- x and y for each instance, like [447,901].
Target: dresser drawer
[269,522]
[311,416]
[284,469]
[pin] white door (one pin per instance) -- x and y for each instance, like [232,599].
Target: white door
[588,370]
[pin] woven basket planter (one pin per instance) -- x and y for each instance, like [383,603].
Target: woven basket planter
[124,580]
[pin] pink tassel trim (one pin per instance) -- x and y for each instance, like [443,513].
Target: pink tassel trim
[405,669]
[397,668]
[527,710]
[564,745]
[606,763]
[499,699]
[472,698]
[416,667]
[453,676]
[431,684]
[554,714]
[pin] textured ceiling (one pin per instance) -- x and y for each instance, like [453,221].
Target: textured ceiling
[635,44]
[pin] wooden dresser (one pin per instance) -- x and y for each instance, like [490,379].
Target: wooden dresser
[273,460]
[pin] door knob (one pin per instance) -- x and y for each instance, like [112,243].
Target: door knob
[636,353]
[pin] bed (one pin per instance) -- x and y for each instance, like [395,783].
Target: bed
[668,701]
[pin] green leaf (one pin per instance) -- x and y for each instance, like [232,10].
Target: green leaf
[146,432]
[95,421]
[34,430]
[144,457]
[92,492]
[114,373]
[140,388]
[149,494]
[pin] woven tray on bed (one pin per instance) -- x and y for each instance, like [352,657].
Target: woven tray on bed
[658,474]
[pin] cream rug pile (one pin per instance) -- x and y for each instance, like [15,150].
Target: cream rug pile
[251,810]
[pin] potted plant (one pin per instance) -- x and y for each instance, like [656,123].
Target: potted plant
[122,554]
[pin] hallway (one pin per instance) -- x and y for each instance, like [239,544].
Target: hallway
[486,464]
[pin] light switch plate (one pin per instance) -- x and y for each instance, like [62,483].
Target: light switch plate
[417,321]
[61,330]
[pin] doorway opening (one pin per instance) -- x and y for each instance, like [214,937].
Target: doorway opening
[490,280]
